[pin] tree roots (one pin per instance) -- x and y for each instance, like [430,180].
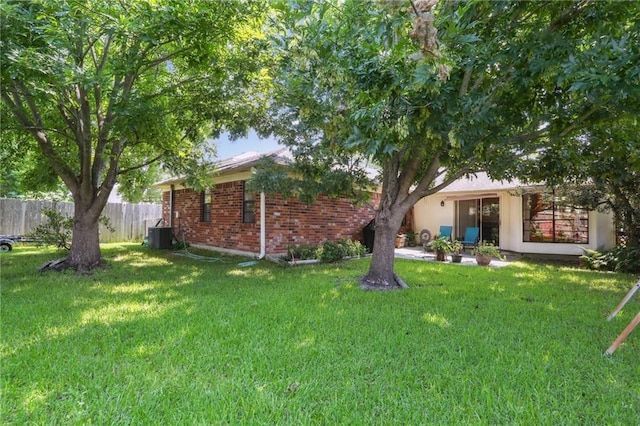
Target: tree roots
[383,285]
[58,265]
[63,264]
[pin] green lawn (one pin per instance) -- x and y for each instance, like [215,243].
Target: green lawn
[163,339]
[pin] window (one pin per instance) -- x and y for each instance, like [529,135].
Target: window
[248,205]
[205,214]
[552,219]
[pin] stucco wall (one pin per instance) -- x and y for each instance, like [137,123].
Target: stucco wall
[428,214]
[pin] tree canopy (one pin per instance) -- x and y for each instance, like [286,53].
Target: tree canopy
[100,91]
[598,169]
[430,91]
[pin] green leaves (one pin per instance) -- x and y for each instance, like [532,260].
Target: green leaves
[112,85]
[506,79]
[110,89]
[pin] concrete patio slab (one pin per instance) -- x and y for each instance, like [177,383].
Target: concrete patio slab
[418,253]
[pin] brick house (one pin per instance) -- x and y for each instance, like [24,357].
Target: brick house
[229,218]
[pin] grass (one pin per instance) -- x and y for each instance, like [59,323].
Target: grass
[162,339]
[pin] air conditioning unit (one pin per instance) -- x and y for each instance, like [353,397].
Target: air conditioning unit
[159,238]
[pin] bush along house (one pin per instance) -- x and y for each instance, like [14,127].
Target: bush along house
[230,218]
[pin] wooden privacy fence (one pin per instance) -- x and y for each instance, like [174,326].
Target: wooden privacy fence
[19,217]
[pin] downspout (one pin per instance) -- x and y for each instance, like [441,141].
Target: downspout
[263,226]
[171,207]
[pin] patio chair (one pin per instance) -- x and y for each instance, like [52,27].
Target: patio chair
[471,236]
[445,231]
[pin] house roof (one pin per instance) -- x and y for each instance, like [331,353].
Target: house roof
[251,158]
[239,162]
[476,182]
[481,182]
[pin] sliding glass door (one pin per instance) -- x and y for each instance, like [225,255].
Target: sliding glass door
[490,220]
[483,213]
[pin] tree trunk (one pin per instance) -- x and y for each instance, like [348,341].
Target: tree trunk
[632,229]
[380,275]
[85,254]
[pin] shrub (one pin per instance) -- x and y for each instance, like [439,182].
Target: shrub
[308,251]
[57,229]
[456,247]
[335,251]
[302,252]
[332,252]
[628,259]
[329,251]
[441,245]
[596,261]
[620,259]
[411,238]
[352,248]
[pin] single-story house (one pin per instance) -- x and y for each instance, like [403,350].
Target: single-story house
[527,219]
[230,218]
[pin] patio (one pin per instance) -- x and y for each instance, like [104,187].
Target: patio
[418,253]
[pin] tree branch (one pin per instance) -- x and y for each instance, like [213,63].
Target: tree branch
[163,59]
[109,180]
[569,14]
[139,166]
[465,82]
[63,113]
[529,136]
[33,124]
[423,189]
[83,124]
[576,123]
[103,122]
[414,8]
[44,129]
[409,172]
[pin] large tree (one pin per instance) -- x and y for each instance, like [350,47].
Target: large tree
[430,91]
[96,91]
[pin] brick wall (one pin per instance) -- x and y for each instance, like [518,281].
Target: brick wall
[291,222]
[288,222]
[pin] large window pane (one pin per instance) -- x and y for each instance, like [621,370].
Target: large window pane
[248,205]
[467,215]
[205,214]
[551,219]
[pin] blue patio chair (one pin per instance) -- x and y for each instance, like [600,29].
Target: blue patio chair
[445,231]
[471,236]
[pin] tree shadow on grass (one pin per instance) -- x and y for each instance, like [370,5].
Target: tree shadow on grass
[158,339]
[74,343]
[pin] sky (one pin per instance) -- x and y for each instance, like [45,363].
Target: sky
[252,142]
[227,149]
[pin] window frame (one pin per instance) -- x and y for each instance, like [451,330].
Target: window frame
[556,209]
[248,205]
[205,205]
